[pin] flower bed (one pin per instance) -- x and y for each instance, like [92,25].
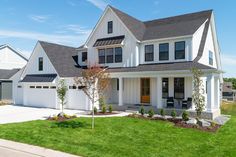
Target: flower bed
[180,123]
[61,117]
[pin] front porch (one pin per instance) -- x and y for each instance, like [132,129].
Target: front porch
[166,91]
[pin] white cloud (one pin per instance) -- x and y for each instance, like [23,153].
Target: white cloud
[71,3]
[39,18]
[228,60]
[74,40]
[101,4]
[76,29]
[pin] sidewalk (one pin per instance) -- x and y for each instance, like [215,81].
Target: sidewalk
[15,149]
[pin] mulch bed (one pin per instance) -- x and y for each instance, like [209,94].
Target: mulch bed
[180,123]
[60,119]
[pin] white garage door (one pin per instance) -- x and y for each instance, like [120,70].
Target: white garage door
[77,100]
[40,96]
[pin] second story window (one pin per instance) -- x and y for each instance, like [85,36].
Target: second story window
[40,64]
[210,58]
[180,50]
[110,27]
[164,52]
[84,56]
[149,53]
[101,56]
[118,54]
[109,55]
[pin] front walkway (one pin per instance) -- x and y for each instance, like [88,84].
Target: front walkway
[15,149]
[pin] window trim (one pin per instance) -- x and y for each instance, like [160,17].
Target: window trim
[164,52]
[180,86]
[149,53]
[40,64]
[176,51]
[109,27]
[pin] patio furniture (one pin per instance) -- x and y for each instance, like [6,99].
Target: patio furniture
[187,103]
[170,102]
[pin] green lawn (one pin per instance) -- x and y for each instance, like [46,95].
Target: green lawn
[124,137]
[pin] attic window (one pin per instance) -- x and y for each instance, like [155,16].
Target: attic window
[210,58]
[40,64]
[110,27]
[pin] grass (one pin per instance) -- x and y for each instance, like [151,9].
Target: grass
[125,137]
[228,108]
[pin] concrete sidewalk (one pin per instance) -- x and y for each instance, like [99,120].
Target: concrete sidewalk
[15,149]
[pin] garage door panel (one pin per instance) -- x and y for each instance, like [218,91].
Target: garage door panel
[76,100]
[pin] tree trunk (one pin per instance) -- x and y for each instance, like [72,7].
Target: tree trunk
[93,112]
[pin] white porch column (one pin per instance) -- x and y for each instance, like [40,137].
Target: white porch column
[120,91]
[217,94]
[210,92]
[159,92]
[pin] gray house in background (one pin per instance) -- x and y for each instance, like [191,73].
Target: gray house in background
[6,83]
[11,61]
[228,93]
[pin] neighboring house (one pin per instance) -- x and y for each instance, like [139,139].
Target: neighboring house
[149,63]
[10,63]
[228,93]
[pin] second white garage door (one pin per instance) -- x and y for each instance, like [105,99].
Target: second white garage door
[40,96]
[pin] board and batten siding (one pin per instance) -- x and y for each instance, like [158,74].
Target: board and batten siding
[130,48]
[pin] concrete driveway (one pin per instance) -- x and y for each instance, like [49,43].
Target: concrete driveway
[13,114]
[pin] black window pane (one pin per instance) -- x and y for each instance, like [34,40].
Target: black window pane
[164,51]
[101,56]
[109,55]
[210,58]
[179,88]
[40,64]
[118,54]
[84,56]
[110,27]
[180,50]
[149,52]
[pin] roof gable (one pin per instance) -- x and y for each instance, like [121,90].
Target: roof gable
[13,50]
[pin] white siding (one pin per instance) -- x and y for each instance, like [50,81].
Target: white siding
[209,46]
[131,93]
[10,59]
[129,48]
[32,65]
[188,50]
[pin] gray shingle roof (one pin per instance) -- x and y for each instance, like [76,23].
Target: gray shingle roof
[63,58]
[7,74]
[39,78]
[163,28]
[162,67]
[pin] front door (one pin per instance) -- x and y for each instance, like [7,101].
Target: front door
[145,90]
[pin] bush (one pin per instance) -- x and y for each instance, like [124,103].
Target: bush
[151,113]
[173,114]
[110,108]
[185,116]
[162,112]
[142,111]
[104,109]
[95,110]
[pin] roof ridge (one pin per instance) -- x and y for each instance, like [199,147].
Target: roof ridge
[46,42]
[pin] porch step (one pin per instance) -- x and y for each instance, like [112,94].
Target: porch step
[132,111]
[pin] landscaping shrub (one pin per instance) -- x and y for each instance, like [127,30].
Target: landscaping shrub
[95,110]
[185,116]
[142,111]
[104,109]
[110,108]
[162,112]
[151,113]
[173,114]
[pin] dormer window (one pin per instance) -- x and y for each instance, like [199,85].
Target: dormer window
[110,27]
[40,64]
[210,58]
[84,56]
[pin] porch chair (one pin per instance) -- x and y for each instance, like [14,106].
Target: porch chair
[187,103]
[170,102]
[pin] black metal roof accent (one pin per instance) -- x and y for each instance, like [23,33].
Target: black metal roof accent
[39,78]
[109,41]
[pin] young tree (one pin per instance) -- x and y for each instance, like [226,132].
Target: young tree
[198,91]
[95,81]
[61,93]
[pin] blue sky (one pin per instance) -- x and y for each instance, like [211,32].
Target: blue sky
[69,22]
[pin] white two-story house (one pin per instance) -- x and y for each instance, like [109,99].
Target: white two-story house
[149,63]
